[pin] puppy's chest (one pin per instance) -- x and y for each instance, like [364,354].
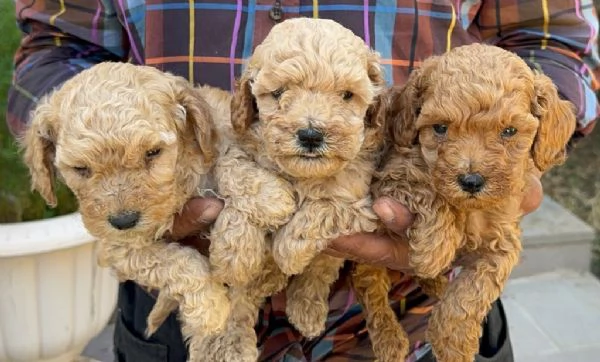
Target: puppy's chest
[476,227]
[349,185]
[484,228]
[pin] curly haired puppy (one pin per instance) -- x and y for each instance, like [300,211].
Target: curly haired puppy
[308,133]
[134,144]
[467,130]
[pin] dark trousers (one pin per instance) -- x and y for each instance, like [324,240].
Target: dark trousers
[166,345]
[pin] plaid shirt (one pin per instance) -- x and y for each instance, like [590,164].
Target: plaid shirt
[208,41]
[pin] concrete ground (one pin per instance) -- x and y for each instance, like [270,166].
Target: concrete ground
[554,317]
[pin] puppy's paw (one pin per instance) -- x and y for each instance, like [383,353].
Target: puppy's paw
[435,287]
[205,311]
[237,248]
[433,248]
[454,335]
[424,263]
[391,348]
[307,315]
[234,345]
[160,312]
[294,255]
[275,205]
[291,264]
[388,338]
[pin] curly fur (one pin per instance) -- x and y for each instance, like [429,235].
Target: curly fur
[95,132]
[274,187]
[238,341]
[477,91]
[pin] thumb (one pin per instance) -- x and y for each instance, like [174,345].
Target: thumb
[196,216]
[534,194]
[372,248]
[393,214]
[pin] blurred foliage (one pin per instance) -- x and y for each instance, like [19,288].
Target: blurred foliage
[17,202]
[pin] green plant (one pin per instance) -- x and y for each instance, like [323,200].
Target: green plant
[17,202]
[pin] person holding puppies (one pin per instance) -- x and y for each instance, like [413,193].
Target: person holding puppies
[207,42]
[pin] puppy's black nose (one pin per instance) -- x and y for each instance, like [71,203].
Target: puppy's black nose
[310,138]
[124,220]
[471,182]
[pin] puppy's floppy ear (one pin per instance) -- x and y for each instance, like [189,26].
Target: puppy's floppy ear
[376,113]
[374,69]
[375,116]
[39,149]
[243,106]
[406,102]
[196,113]
[557,124]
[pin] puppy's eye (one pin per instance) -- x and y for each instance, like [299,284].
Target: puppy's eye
[508,132]
[153,153]
[347,95]
[83,171]
[440,129]
[277,93]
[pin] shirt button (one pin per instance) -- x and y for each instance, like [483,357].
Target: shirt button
[276,12]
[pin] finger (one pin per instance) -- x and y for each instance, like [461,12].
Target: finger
[196,216]
[394,215]
[372,249]
[534,194]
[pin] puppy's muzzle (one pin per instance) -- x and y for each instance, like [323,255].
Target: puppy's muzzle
[124,220]
[471,182]
[310,138]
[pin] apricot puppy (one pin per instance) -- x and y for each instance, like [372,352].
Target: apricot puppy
[466,131]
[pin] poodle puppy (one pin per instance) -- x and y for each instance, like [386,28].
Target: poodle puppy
[237,341]
[308,131]
[466,132]
[134,144]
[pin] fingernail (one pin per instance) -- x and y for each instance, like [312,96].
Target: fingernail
[384,211]
[209,214]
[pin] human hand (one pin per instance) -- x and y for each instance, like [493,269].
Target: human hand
[534,193]
[372,248]
[197,215]
[393,252]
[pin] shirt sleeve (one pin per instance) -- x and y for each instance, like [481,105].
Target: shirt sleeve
[558,38]
[57,43]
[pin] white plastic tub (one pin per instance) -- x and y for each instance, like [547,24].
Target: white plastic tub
[53,297]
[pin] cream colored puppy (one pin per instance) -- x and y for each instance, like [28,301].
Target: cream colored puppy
[134,144]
